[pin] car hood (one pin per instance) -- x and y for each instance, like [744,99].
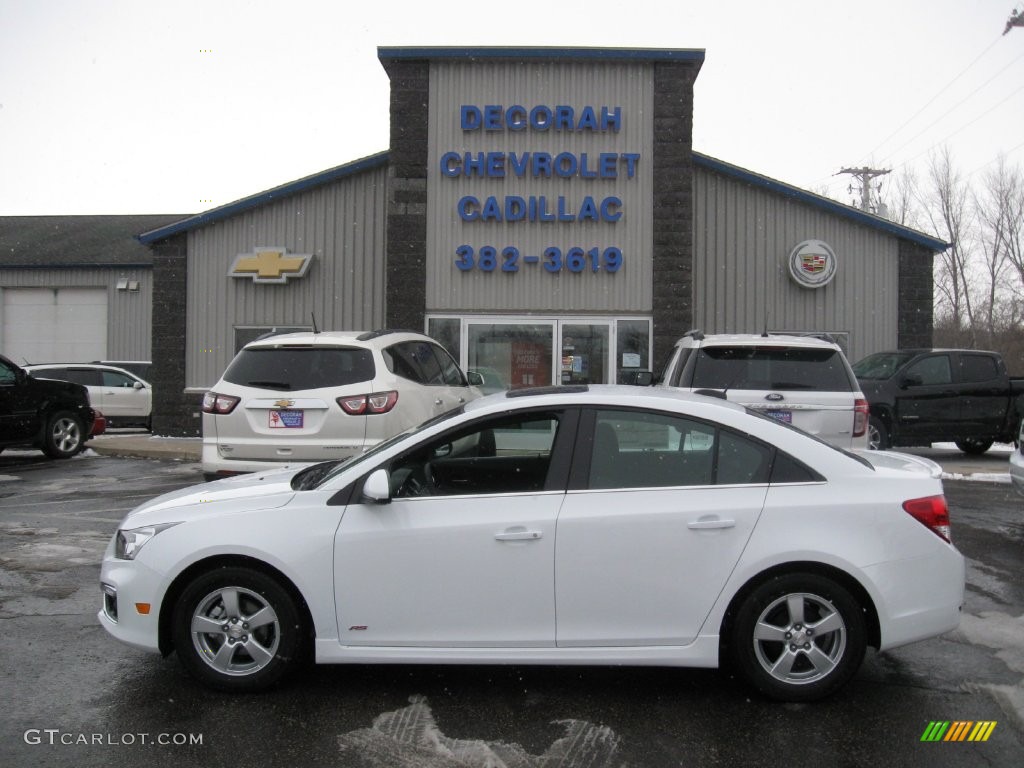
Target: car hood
[261,490]
[902,461]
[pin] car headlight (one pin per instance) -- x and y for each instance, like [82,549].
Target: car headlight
[129,542]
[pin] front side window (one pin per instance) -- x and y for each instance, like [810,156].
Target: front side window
[505,455]
[636,449]
[7,373]
[115,379]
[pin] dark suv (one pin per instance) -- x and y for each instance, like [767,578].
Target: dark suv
[53,416]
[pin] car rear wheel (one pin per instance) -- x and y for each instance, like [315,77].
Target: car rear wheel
[798,637]
[878,435]
[64,435]
[973,446]
[237,629]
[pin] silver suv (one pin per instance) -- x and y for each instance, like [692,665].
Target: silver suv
[800,380]
[301,398]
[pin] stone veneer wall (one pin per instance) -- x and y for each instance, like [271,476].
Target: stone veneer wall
[916,291]
[173,410]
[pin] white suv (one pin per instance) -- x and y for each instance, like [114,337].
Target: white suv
[800,380]
[301,398]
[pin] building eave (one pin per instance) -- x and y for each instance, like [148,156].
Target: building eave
[262,198]
[822,203]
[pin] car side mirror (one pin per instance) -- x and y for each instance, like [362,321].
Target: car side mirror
[137,385]
[475,379]
[377,487]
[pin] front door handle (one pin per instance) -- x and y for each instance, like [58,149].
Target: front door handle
[517,534]
[705,524]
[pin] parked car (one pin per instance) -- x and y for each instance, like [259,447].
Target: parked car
[1017,462]
[924,396]
[52,416]
[125,399]
[690,532]
[298,398]
[799,380]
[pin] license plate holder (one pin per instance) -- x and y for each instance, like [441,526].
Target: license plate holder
[286,419]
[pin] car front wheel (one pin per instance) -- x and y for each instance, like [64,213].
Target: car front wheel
[64,435]
[798,637]
[237,629]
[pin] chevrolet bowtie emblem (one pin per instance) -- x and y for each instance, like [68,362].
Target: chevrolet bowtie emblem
[284,403]
[270,265]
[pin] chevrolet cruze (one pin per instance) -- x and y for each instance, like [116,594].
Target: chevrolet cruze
[569,525]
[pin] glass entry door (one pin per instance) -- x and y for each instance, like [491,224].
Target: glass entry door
[517,352]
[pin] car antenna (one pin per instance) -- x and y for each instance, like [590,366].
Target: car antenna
[315,329]
[764,333]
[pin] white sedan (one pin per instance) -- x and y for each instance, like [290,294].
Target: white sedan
[568,525]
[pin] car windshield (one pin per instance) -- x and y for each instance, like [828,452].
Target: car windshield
[317,475]
[762,367]
[296,368]
[881,365]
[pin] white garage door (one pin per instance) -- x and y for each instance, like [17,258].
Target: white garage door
[54,325]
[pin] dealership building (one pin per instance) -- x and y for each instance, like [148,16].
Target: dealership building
[542,213]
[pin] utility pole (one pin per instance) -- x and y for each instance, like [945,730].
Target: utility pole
[1016,20]
[864,175]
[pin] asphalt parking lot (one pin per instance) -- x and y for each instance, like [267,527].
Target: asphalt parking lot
[75,697]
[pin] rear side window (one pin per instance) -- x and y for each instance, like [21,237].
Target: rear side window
[791,368]
[423,363]
[288,369]
[87,377]
[978,368]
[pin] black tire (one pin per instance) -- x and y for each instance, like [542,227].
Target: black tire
[973,446]
[237,654]
[878,435]
[798,637]
[64,435]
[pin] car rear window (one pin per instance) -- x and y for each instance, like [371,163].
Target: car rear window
[790,368]
[289,369]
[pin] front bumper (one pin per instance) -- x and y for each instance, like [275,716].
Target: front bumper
[127,587]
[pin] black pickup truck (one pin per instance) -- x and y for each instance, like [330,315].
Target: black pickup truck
[923,396]
[53,416]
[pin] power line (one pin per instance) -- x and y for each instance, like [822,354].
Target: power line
[941,91]
[969,96]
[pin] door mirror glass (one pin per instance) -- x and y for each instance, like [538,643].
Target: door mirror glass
[475,379]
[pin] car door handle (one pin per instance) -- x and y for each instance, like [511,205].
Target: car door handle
[708,524]
[438,402]
[518,534]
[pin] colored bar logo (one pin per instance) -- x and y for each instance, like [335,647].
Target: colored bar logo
[958,730]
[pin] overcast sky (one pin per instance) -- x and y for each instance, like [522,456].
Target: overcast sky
[140,106]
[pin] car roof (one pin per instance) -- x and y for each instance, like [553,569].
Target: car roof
[335,338]
[85,366]
[625,395]
[758,339]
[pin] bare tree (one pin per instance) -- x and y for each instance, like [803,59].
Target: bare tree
[946,206]
[901,199]
[993,206]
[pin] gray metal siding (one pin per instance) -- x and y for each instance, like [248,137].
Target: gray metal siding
[129,313]
[341,224]
[629,86]
[742,238]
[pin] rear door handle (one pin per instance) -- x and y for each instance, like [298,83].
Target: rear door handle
[709,524]
[517,534]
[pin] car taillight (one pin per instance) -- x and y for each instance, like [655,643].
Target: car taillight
[219,404]
[931,511]
[375,402]
[860,417]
